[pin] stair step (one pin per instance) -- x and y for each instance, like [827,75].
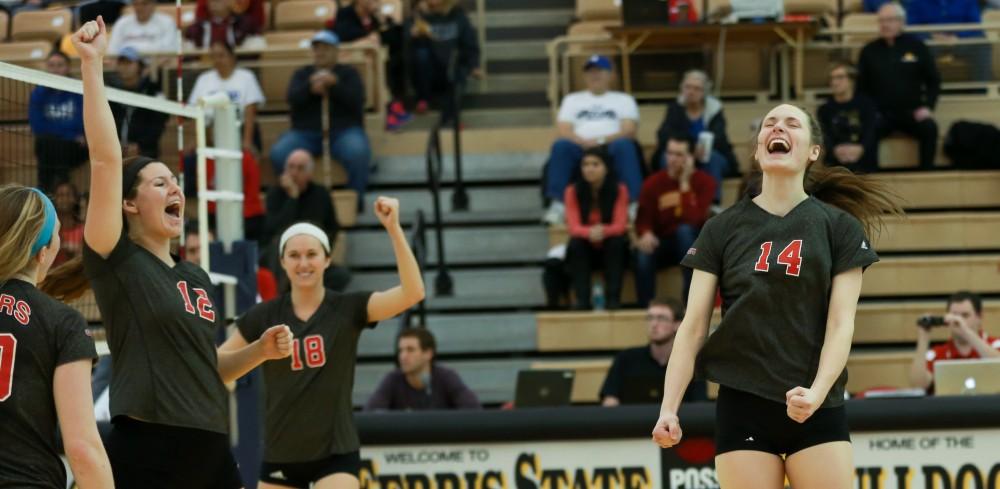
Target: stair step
[517,50]
[503,167]
[469,246]
[518,65]
[534,17]
[486,205]
[460,334]
[510,82]
[524,33]
[486,288]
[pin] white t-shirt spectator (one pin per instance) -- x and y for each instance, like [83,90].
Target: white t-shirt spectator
[595,116]
[241,86]
[159,34]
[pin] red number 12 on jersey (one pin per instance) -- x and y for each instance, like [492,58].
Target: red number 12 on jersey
[790,257]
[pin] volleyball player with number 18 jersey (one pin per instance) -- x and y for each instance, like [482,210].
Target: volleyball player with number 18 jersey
[310,438]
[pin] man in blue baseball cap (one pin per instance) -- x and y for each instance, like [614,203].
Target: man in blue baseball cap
[342,87]
[139,129]
[593,117]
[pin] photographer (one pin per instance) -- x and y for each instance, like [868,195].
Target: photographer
[968,339]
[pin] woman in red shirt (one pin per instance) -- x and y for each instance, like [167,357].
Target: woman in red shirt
[597,220]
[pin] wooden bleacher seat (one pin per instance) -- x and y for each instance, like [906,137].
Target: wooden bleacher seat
[345,203]
[30,54]
[303,14]
[44,25]
[819,8]
[866,21]
[4,22]
[888,368]
[875,323]
[852,6]
[188,13]
[940,231]
[894,322]
[289,40]
[945,190]
[597,10]
[932,275]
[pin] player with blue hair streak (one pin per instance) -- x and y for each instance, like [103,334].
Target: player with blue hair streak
[45,358]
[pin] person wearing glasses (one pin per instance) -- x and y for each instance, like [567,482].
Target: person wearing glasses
[849,121]
[632,367]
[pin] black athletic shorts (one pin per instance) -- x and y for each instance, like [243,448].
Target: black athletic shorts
[302,474]
[744,421]
[155,456]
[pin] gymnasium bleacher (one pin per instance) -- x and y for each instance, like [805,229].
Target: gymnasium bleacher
[494,325]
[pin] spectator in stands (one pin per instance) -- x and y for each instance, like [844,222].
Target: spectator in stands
[56,119]
[898,73]
[978,57]
[699,115]
[295,199]
[419,383]
[597,220]
[445,51]
[673,207]
[219,24]
[146,30]
[849,120]
[239,83]
[341,86]
[139,129]
[637,371]
[67,204]
[968,340]
[365,19]
[594,117]
[252,10]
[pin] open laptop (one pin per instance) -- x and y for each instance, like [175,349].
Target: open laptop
[644,12]
[757,10]
[543,388]
[642,389]
[967,377]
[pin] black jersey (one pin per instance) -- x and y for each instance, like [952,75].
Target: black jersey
[775,275]
[37,334]
[308,395]
[161,327]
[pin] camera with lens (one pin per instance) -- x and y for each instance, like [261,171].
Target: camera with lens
[928,321]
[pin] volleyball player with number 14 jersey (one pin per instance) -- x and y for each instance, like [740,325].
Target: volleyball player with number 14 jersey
[788,260]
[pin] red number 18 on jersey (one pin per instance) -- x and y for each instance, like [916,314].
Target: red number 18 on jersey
[790,257]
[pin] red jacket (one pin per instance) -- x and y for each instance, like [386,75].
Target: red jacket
[578,229]
[662,207]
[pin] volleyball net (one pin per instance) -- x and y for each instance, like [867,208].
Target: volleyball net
[42,145]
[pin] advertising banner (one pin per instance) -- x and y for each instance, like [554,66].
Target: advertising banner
[952,459]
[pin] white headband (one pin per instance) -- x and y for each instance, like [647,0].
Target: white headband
[306,229]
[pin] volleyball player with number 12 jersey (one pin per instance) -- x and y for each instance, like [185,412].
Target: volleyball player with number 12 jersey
[169,407]
[788,260]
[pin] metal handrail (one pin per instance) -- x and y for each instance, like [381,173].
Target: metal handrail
[418,243]
[443,285]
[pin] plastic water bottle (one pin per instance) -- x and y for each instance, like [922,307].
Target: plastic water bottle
[597,298]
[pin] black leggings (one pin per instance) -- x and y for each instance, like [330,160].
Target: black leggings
[155,456]
[744,421]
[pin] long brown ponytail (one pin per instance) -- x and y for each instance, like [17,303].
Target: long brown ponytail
[68,282]
[864,198]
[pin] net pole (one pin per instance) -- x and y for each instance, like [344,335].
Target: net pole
[202,188]
[180,122]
